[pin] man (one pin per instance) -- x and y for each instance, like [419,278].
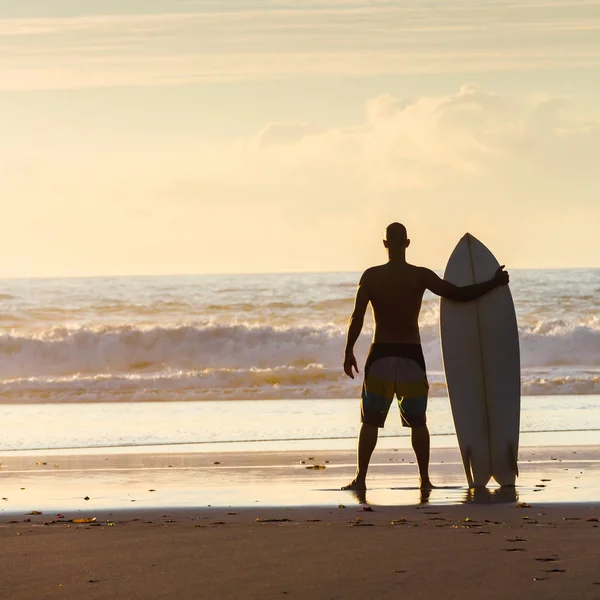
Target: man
[395,364]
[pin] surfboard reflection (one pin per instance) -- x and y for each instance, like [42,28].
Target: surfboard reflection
[482,495]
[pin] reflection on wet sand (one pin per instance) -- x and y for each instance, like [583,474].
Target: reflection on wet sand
[501,495]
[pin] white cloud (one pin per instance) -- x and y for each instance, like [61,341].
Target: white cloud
[462,135]
[520,174]
[502,167]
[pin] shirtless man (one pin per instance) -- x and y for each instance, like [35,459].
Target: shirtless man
[395,364]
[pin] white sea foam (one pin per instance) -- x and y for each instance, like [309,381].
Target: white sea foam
[279,336]
[212,361]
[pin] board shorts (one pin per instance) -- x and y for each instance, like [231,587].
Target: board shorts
[395,370]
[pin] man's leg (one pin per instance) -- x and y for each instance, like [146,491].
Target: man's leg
[367,440]
[420,443]
[413,412]
[376,399]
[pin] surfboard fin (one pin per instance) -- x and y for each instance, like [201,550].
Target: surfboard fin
[513,460]
[466,458]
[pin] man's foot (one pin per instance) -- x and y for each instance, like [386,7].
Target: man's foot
[356,485]
[426,485]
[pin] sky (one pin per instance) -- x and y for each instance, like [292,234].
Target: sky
[246,136]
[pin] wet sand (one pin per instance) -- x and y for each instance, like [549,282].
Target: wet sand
[141,478]
[270,524]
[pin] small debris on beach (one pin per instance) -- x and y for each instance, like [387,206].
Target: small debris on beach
[316,467]
[35,512]
[84,520]
[260,520]
[87,498]
[555,570]
[548,559]
[522,505]
[358,523]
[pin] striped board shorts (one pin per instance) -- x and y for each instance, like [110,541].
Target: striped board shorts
[395,370]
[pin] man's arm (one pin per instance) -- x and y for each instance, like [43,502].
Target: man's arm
[444,288]
[355,327]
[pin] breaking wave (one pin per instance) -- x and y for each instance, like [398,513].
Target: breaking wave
[208,361]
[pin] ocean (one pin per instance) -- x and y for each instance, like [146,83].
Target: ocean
[112,341]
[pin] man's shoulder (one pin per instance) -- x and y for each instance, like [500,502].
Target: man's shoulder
[371,273]
[381,273]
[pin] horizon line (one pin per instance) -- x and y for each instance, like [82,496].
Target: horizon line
[251,274]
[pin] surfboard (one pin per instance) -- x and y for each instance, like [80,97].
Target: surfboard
[480,349]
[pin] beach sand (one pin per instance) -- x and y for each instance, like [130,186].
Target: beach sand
[275,528]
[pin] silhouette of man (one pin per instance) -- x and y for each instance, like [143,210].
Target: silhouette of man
[395,363]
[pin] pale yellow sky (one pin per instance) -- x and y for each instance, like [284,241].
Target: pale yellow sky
[196,136]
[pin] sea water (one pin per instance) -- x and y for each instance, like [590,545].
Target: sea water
[265,424]
[92,347]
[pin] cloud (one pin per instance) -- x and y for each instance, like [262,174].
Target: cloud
[285,134]
[521,174]
[233,41]
[503,167]
[405,144]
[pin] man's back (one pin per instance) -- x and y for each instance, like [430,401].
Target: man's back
[395,291]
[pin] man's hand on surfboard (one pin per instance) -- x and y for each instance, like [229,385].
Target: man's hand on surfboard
[350,364]
[501,276]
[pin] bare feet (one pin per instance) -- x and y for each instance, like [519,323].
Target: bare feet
[355,485]
[426,485]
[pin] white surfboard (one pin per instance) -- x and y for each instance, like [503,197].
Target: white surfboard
[480,347]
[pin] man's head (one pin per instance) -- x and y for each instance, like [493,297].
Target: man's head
[396,238]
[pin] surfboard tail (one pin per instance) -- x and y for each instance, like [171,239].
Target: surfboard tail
[506,476]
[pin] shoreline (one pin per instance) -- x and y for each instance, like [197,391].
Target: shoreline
[128,398]
[573,437]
